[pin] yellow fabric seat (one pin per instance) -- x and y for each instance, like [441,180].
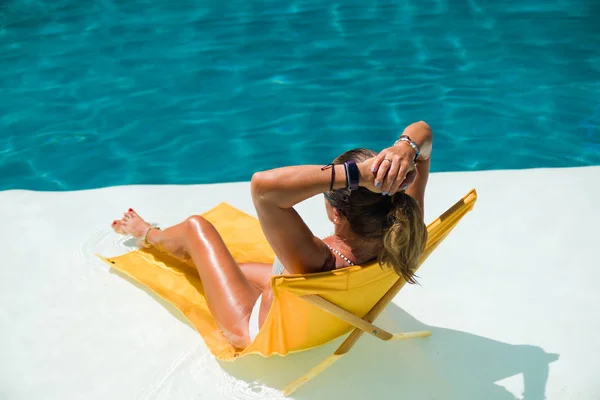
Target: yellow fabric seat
[307,310]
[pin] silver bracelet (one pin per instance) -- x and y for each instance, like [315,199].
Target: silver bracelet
[411,143]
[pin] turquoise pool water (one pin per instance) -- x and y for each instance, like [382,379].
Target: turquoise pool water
[112,92]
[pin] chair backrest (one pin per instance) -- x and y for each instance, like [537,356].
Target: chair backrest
[294,325]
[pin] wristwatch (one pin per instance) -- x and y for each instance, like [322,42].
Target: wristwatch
[352,175]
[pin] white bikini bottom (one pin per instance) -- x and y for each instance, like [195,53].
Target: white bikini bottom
[253,327]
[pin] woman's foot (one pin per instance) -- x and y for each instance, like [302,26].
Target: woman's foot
[131,224]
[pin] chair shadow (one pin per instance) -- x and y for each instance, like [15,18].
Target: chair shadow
[448,365]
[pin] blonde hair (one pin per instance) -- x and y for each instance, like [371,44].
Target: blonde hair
[404,241]
[396,220]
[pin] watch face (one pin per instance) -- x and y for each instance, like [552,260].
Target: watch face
[353,175]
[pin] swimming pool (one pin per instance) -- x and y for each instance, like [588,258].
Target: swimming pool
[110,92]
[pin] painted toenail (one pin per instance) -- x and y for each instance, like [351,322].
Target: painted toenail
[131,209]
[114,222]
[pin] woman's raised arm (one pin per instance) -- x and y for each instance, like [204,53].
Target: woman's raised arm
[394,165]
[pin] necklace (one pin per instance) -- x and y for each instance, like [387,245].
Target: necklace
[343,257]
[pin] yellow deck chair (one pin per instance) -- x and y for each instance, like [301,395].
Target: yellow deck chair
[307,311]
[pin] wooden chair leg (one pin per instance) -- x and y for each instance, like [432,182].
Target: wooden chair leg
[316,370]
[410,335]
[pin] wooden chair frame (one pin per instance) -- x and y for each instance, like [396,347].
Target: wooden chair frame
[362,325]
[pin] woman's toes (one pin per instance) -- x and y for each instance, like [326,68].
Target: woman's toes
[118,227]
[131,224]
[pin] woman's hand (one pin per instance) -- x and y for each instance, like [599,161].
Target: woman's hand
[392,170]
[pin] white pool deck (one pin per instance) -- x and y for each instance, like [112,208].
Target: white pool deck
[512,298]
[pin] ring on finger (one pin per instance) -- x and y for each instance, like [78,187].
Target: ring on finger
[387,159]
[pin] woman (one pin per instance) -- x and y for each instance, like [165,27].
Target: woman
[375,202]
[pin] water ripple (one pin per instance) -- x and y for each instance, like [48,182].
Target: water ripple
[115,93]
[105,242]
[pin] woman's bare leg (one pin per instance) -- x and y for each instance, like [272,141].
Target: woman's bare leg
[230,296]
[258,274]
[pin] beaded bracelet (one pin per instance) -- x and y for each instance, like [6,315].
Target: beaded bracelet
[411,143]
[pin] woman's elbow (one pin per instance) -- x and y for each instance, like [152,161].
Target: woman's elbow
[425,127]
[255,184]
[259,185]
